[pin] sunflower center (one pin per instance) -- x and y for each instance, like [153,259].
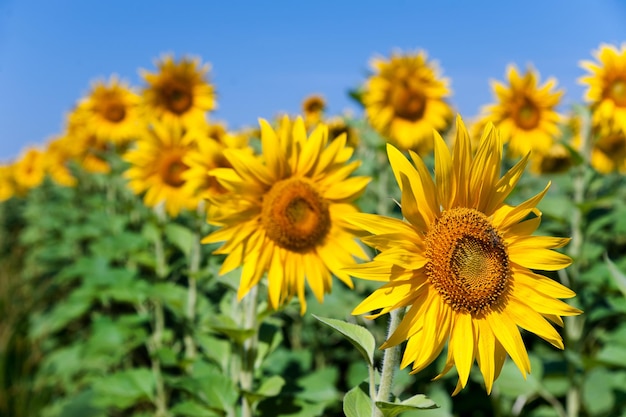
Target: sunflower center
[469,263]
[295,216]
[407,101]
[172,169]
[613,145]
[114,112]
[618,92]
[177,97]
[528,115]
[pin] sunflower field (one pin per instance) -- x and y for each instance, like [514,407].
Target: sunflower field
[409,261]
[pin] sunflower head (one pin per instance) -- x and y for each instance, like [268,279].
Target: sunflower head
[338,126]
[462,261]
[557,160]
[283,212]
[524,111]
[57,160]
[179,92]
[405,99]
[30,170]
[313,108]
[606,87]
[111,112]
[7,185]
[158,167]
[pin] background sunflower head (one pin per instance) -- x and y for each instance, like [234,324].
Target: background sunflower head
[179,92]
[524,111]
[405,99]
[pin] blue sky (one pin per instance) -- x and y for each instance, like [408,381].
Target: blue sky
[268,55]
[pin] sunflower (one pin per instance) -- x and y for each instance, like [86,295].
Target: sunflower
[57,158]
[313,108]
[558,159]
[7,186]
[84,146]
[157,167]
[607,87]
[284,212]
[179,92]
[608,153]
[29,171]
[111,112]
[525,112]
[462,262]
[405,100]
[338,126]
[208,155]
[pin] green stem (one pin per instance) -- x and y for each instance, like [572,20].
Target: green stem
[391,361]
[248,351]
[192,296]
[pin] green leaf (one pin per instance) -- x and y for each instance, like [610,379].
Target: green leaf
[416,402]
[125,388]
[618,276]
[270,387]
[356,403]
[227,326]
[192,409]
[359,336]
[598,397]
[181,237]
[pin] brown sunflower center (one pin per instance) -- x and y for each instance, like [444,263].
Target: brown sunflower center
[617,92]
[177,96]
[114,111]
[552,164]
[172,169]
[613,145]
[407,101]
[528,114]
[469,263]
[295,216]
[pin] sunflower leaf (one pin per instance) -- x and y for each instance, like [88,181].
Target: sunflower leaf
[359,336]
[618,276]
[356,403]
[416,402]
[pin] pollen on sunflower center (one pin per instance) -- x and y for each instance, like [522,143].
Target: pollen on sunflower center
[172,170]
[177,97]
[408,102]
[528,115]
[617,92]
[114,112]
[468,261]
[295,216]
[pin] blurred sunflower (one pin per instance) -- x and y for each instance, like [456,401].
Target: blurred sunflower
[405,100]
[313,108]
[57,159]
[83,145]
[179,93]
[607,87]
[284,212]
[557,160]
[7,185]
[208,155]
[338,126]
[30,170]
[111,112]
[525,112]
[462,262]
[157,167]
[608,153]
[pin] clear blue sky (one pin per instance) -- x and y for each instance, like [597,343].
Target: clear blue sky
[267,55]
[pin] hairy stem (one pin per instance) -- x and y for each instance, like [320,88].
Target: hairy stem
[391,361]
[248,351]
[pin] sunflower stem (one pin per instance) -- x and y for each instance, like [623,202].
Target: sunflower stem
[192,296]
[156,339]
[391,361]
[248,352]
[574,324]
